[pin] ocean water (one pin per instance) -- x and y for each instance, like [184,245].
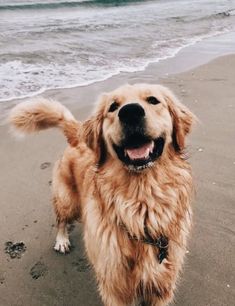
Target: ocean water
[59,44]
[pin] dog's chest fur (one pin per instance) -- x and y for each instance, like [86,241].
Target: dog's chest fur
[124,205]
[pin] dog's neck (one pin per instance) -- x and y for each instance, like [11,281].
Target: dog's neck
[151,195]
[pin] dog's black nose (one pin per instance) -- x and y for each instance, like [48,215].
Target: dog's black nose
[131,113]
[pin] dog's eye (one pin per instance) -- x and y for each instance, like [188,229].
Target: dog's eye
[152,100]
[113,107]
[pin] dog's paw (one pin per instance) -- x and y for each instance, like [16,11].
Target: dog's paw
[62,245]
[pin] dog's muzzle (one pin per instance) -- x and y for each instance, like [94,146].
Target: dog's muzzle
[137,150]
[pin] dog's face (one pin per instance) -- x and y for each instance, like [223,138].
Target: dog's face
[135,123]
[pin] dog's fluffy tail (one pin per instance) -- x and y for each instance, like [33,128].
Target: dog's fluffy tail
[40,114]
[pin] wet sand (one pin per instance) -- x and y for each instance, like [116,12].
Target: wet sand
[39,276]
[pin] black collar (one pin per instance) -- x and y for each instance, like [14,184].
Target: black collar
[161,242]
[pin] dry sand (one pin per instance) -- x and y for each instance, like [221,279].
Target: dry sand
[42,277]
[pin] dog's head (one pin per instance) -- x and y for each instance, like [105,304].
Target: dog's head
[135,123]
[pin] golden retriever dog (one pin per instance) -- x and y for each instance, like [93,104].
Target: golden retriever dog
[125,176]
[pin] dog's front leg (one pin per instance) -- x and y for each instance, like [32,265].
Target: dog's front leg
[62,243]
[65,201]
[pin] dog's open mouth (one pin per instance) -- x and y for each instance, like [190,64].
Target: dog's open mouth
[139,152]
[142,152]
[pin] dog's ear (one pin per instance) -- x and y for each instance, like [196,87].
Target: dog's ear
[93,133]
[182,119]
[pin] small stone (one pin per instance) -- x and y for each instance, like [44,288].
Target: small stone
[2,278]
[200,150]
[228,286]
[213,183]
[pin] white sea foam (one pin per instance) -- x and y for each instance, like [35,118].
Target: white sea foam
[30,80]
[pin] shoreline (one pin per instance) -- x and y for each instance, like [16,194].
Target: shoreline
[189,57]
[144,66]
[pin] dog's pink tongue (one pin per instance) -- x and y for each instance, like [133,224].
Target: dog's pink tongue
[140,153]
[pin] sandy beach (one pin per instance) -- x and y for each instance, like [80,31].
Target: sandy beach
[42,277]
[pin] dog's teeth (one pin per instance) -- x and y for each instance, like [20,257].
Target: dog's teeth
[147,153]
[152,147]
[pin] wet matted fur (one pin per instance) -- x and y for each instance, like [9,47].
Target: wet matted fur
[125,176]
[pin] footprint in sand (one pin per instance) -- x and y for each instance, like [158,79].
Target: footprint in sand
[38,270]
[15,250]
[81,265]
[45,165]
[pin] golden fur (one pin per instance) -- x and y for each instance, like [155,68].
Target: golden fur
[91,184]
